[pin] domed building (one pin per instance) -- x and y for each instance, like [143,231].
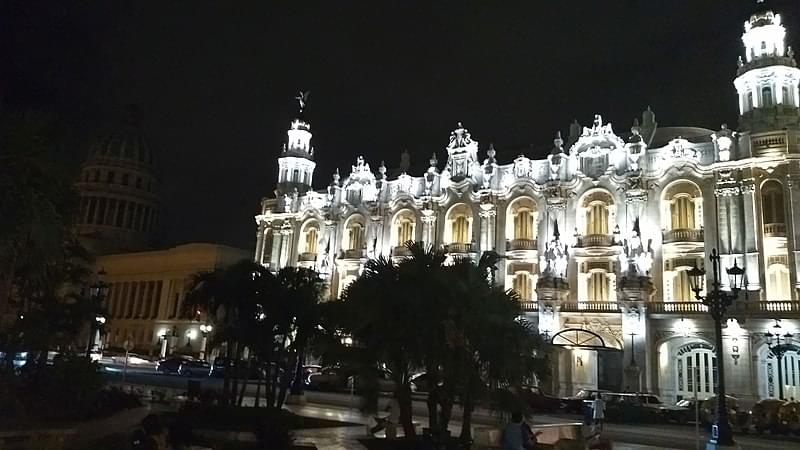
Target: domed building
[118,187]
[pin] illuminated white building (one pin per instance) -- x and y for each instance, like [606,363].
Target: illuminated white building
[597,237]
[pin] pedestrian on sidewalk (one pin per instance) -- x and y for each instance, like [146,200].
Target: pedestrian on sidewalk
[598,412]
[390,422]
[516,435]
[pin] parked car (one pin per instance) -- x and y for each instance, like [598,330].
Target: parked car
[578,402]
[170,366]
[183,365]
[194,368]
[384,378]
[628,407]
[420,382]
[330,378]
[308,370]
[221,364]
[538,400]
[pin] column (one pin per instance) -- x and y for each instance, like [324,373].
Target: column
[488,214]
[259,254]
[286,236]
[751,227]
[634,340]
[428,227]
[612,286]
[793,229]
[277,239]
[583,281]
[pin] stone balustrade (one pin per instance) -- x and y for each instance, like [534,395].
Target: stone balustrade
[595,240]
[521,244]
[683,235]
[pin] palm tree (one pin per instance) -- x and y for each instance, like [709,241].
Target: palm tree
[230,297]
[383,323]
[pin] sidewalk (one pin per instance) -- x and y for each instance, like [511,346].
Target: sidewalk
[344,438]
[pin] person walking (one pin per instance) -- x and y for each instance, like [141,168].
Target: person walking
[598,412]
[516,435]
[390,422]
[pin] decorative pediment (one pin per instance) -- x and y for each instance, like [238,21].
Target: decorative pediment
[597,140]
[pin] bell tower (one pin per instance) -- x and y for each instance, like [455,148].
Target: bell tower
[767,77]
[296,163]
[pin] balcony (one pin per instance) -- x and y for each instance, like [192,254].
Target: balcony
[459,248]
[354,254]
[513,245]
[683,235]
[745,308]
[595,240]
[593,307]
[401,251]
[774,230]
[677,307]
[307,256]
[529,306]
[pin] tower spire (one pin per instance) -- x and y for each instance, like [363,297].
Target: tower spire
[767,77]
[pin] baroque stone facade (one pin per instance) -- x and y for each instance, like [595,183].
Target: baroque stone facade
[598,236]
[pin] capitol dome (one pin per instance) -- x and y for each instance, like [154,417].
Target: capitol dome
[118,187]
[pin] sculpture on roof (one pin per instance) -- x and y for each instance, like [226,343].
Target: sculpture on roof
[302,99]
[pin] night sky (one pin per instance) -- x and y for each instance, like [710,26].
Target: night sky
[216,80]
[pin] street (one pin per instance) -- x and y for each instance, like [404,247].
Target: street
[664,436]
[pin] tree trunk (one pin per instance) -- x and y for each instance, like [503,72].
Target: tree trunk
[280,386]
[433,399]
[226,380]
[406,411]
[446,402]
[244,386]
[466,421]
[257,401]
[298,382]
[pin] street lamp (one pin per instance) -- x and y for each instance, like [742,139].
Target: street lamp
[718,302]
[778,349]
[97,294]
[190,334]
[205,329]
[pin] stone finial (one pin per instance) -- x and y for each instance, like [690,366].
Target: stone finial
[433,161]
[490,152]
[558,143]
[336,177]
[382,170]
[405,161]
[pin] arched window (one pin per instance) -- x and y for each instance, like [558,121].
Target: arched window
[597,218]
[460,225]
[598,287]
[595,213]
[778,283]
[310,238]
[766,97]
[523,285]
[790,375]
[696,368]
[682,212]
[772,207]
[749,103]
[682,206]
[404,226]
[354,235]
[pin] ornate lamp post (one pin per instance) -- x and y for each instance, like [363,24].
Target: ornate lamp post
[97,294]
[778,349]
[205,329]
[718,302]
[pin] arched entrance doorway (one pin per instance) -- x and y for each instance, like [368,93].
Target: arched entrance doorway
[591,349]
[696,370]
